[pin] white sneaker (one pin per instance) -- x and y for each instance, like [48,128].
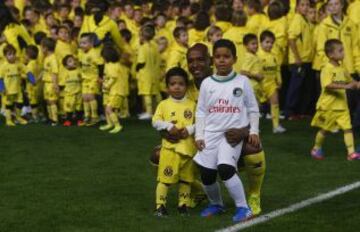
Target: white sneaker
[145,116]
[279,130]
[268,116]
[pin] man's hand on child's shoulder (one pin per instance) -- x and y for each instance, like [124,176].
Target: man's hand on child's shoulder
[200,144]
[184,133]
[254,140]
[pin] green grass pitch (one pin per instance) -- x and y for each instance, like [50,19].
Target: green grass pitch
[81,179]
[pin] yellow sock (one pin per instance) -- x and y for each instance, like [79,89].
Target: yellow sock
[275,115]
[54,112]
[125,107]
[61,106]
[148,104]
[8,116]
[114,119]
[34,112]
[255,168]
[319,140]
[94,109]
[161,194]
[17,112]
[108,120]
[87,110]
[184,194]
[48,108]
[349,142]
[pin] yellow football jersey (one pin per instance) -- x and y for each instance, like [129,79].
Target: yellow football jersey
[332,99]
[62,49]
[270,69]
[115,78]
[149,55]
[348,33]
[279,27]
[182,114]
[12,73]
[255,22]
[50,68]
[300,31]
[89,64]
[196,36]
[72,81]
[224,26]
[236,34]
[13,32]
[177,57]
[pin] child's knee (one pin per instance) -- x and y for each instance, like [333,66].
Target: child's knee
[226,171]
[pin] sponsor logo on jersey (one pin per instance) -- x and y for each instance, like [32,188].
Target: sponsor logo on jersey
[237,92]
[188,114]
[168,171]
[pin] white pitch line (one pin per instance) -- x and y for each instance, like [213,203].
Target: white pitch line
[292,208]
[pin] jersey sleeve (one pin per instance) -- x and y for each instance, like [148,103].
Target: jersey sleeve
[295,28]
[325,77]
[252,107]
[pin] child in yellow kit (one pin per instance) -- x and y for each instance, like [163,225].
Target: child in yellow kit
[72,90]
[50,79]
[271,81]
[177,116]
[332,112]
[178,49]
[91,70]
[115,77]
[148,70]
[251,65]
[11,75]
[33,79]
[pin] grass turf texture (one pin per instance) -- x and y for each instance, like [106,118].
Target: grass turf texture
[82,179]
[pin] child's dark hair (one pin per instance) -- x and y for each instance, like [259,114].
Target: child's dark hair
[176,71]
[39,36]
[32,52]
[9,49]
[49,44]
[178,30]
[248,38]
[276,10]
[255,4]
[66,58]
[126,34]
[225,43]
[330,45]
[267,34]
[92,37]
[202,21]
[239,18]
[223,12]
[110,53]
[63,27]
[148,31]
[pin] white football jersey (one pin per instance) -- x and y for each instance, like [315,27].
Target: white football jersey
[226,104]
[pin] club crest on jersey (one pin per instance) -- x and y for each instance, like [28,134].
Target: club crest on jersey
[188,114]
[237,92]
[168,171]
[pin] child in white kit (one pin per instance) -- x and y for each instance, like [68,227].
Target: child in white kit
[226,101]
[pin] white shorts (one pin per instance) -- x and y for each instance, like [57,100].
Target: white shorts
[217,151]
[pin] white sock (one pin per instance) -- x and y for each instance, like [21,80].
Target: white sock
[236,190]
[214,194]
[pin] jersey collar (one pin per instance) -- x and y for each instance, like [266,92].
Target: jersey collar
[229,77]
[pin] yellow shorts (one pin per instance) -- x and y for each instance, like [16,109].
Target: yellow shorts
[268,90]
[32,93]
[49,92]
[11,99]
[332,120]
[257,91]
[72,102]
[114,101]
[90,87]
[174,167]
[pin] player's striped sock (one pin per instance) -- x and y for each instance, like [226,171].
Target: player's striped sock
[349,142]
[184,194]
[255,169]
[319,140]
[161,194]
[275,115]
